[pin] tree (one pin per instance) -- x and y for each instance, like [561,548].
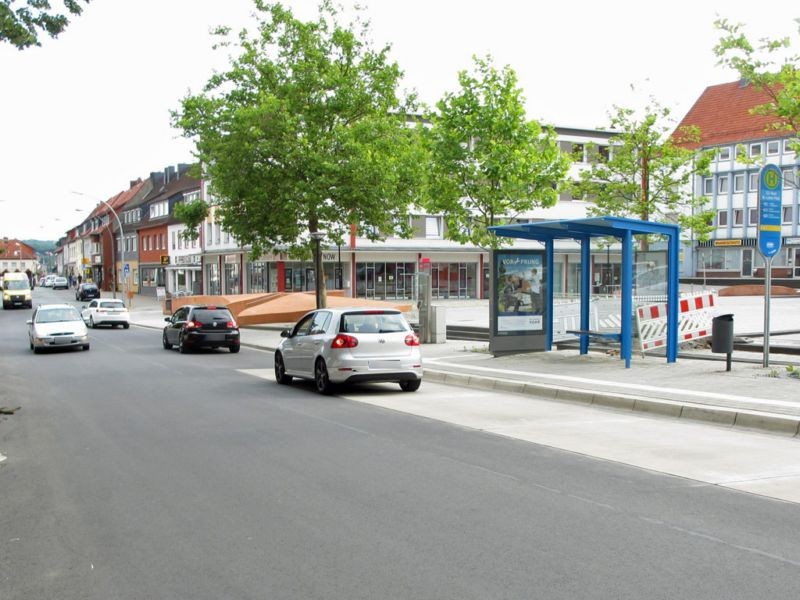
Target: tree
[489,163]
[770,70]
[21,26]
[305,133]
[647,174]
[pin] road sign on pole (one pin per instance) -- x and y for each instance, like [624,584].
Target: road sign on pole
[126,269]
[770,192]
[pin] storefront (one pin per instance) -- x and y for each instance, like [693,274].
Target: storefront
[184,276]
[151,276]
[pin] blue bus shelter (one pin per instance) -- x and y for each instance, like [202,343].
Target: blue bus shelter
[583,230]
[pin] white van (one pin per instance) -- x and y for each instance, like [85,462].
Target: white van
[16,291]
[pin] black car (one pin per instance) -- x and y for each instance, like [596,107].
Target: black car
[87,291]
[201,326]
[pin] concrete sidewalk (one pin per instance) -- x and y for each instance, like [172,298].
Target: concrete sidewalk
[696,387]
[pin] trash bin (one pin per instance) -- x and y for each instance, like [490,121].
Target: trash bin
[722,334]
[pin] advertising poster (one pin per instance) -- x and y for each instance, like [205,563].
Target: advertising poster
[519,292]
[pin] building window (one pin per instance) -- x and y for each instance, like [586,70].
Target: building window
[752,218]
[209,238]
[433,227]
[786,213]
[738,217]
[216,233]
[789,180]
[174,240]
[752,185]
[724,153]
[722,218]
[738,183]
[773,147]
[755,150]
[722,184]
[579,152]
[787,147]
[708,186]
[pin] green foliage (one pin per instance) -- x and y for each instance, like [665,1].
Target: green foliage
[772,68]
[647,174]
[192,214]
[21,26]
[305,132]
[489,163]
[793,371]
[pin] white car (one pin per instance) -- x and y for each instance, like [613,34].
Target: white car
[48,281]
[60,283]
[106,311]
[57,326]
[353,345]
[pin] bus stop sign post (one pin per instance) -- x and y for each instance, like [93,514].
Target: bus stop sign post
[770,190]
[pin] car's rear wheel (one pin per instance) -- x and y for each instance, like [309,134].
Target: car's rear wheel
[182,345]
[167,345]
[92,323]
[280,370]
[126,325]
[410,385]
[321,379]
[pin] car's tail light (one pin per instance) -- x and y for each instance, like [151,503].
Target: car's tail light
[193,325]
[412,340]
[231,324]
[344,341]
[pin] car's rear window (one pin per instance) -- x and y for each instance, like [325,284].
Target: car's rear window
[373,322]
[111,304]
[208,315]
[89,286]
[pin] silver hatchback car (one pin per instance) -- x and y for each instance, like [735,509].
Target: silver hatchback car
[352,345]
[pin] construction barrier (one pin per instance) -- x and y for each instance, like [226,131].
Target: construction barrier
[695,316]
[567,316]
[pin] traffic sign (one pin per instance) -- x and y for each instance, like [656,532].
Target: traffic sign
[126,269]
[770,190]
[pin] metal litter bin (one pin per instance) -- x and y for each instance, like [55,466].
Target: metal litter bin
[722,336]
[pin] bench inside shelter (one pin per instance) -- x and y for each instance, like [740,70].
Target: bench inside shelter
[604,336]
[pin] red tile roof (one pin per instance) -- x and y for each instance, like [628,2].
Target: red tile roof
[722,112]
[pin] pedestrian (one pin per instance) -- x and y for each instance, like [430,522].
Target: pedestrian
[80,279]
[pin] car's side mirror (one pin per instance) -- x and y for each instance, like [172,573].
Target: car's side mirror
[286,333]
[168,319]
[83,307]
[29,322]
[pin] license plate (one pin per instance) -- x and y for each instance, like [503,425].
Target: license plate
[62,340]
[384,364]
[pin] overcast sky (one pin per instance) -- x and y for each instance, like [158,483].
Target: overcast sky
[89,111]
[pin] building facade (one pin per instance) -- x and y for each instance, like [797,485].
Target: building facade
[741,143]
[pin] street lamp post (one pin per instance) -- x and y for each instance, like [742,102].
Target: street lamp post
[113,249]
[317,236]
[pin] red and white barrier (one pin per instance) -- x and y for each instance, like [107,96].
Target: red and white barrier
[695,315]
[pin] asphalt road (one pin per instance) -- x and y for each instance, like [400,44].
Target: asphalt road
[135,472]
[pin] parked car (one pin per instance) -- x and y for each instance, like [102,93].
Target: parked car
[201,326]
[86,291]
[60,283]
[335,345]
[56,326]
[106,311]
